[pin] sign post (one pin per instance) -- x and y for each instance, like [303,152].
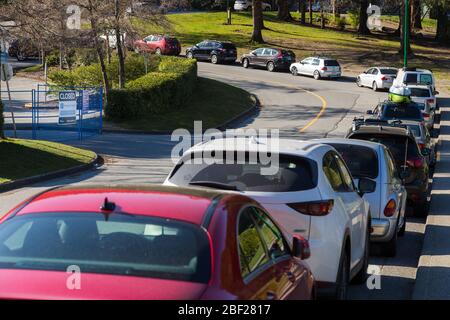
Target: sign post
[6,74]
[406,34]
[67,107]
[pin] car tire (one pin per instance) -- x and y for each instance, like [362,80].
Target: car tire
[374,86]
[158,51]
[316,75]
[294,71]
[214,59]
[270,66]
[189,55]
[358,82]
[245,63]
[361,276]
[342,281]
[389,249]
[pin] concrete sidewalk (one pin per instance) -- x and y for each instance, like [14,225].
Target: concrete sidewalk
[433,272]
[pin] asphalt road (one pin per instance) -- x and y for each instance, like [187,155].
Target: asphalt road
[299,107]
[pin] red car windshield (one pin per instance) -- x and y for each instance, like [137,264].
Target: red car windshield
[118,244]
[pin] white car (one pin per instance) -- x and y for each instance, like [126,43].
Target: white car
[410,76]
[387,200]
[242,5]
[377,78]
[312,194]
[425,96]
[317,67]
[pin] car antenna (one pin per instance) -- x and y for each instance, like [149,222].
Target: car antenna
[107,208]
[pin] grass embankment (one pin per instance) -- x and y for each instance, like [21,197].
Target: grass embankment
[213,102]
[356,53]
[25,158]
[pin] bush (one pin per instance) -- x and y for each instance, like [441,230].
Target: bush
[155,92]
[353,18]
[2,121]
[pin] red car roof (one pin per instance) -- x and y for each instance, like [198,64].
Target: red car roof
[183,204]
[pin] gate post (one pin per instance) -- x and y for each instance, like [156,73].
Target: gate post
[33,114]
[101,110]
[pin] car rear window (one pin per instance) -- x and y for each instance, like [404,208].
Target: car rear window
[407,111]
[415,129]
[420,92]
[172,40]
[294,173]
[396,144]
[331,63]
[118,244]
[388,71]
[288,53]
[361,161]
[226,45]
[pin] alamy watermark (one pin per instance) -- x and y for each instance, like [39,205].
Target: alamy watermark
[73,281]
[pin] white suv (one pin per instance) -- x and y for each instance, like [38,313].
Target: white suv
[387,196]
[409,76]
[312,194]
[241,5]
[317,67]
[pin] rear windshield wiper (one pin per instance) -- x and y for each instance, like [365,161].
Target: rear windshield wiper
[215,185]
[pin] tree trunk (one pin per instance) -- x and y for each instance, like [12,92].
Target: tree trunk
[258,22]
[302,10]
[322,18]
[119,46]
[99,49]
[108,50]
[310,12]
[416,17]
[402,30]
[443,24]
[363,29]
[283,10]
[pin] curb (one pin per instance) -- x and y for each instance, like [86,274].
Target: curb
[8,186]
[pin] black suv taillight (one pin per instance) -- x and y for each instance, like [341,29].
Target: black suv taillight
[313,208]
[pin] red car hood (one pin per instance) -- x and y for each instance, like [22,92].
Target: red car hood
[32,284]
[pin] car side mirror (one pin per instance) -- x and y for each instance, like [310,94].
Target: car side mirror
[300,247]
[366,185]
[426,152]
[435,93]
[369,112]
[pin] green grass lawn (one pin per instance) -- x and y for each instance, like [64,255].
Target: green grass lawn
[26,158]
[213,102]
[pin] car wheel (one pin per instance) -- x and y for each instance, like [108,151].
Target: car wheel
[358,82]
[214,59]
[389,249]
[374,86]
[294,71]
[361,276]
[189,55]
[158,51]
[316,75]
[245,63]
[343,277]
[271,67]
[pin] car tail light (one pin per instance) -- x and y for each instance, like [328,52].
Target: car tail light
[415,163]
[313,208]
[383,78]
[421,145]
[389,210]
[430,101]
[324,69]
[426,115]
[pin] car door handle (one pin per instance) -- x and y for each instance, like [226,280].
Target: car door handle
[271,295]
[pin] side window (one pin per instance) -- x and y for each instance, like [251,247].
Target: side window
[331,170]
[252,253]
[259,51]
[426,79]
[306,61]
[271,235]
[391,164]
[411,78]
[316,62]
[375,71]
[266,52]
[202,44]
[346,176]
[369,71]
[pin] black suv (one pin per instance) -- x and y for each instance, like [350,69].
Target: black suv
[389,110]
[270,58]
[214,51]
[410,160]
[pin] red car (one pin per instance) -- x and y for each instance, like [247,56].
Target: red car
[158,44]
[147,243]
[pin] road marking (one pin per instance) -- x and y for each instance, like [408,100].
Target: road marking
[322,99]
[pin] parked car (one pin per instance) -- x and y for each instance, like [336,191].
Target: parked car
[241,5]
[409,76]
[377,78]
[149,242]
[387,200]
[426,99]
[318,67]
[158,44]
[388,110]
[272,59]
[214,51]
[312,194]
[409,159]
[23,49]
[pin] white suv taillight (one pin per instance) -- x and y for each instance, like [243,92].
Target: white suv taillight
[313,208]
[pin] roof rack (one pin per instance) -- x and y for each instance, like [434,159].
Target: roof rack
[358,122]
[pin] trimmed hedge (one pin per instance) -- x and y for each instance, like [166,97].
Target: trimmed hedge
[2,135]
[155,92]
